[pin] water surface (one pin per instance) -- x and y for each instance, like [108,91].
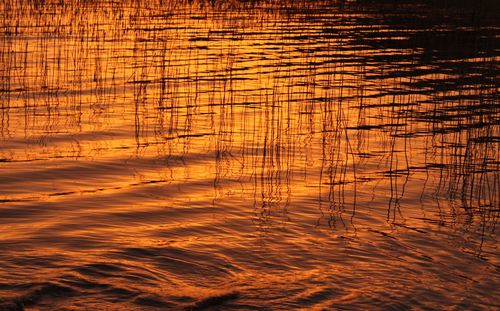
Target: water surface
[248,155]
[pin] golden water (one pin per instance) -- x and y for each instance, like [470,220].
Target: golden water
[247,155]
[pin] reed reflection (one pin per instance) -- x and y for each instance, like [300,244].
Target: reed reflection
[71,90]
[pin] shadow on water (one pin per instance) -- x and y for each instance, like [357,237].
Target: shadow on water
[207,154]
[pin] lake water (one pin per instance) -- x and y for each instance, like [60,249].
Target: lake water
[252,155]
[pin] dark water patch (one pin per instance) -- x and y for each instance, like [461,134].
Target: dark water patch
[8,305]
[45,291]
[152,301]
[215,301]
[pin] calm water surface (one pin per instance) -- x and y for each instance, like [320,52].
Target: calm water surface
[247,155]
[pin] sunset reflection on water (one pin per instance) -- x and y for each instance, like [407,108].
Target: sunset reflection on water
[247,155]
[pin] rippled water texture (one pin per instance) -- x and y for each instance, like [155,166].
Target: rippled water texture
[248,155]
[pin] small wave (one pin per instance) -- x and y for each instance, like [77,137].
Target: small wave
[213,301]
[152,301]
[33,297]
[100,269]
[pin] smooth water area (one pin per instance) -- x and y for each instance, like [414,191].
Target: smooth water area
[253,155]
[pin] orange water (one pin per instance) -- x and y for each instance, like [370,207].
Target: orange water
[169,155]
